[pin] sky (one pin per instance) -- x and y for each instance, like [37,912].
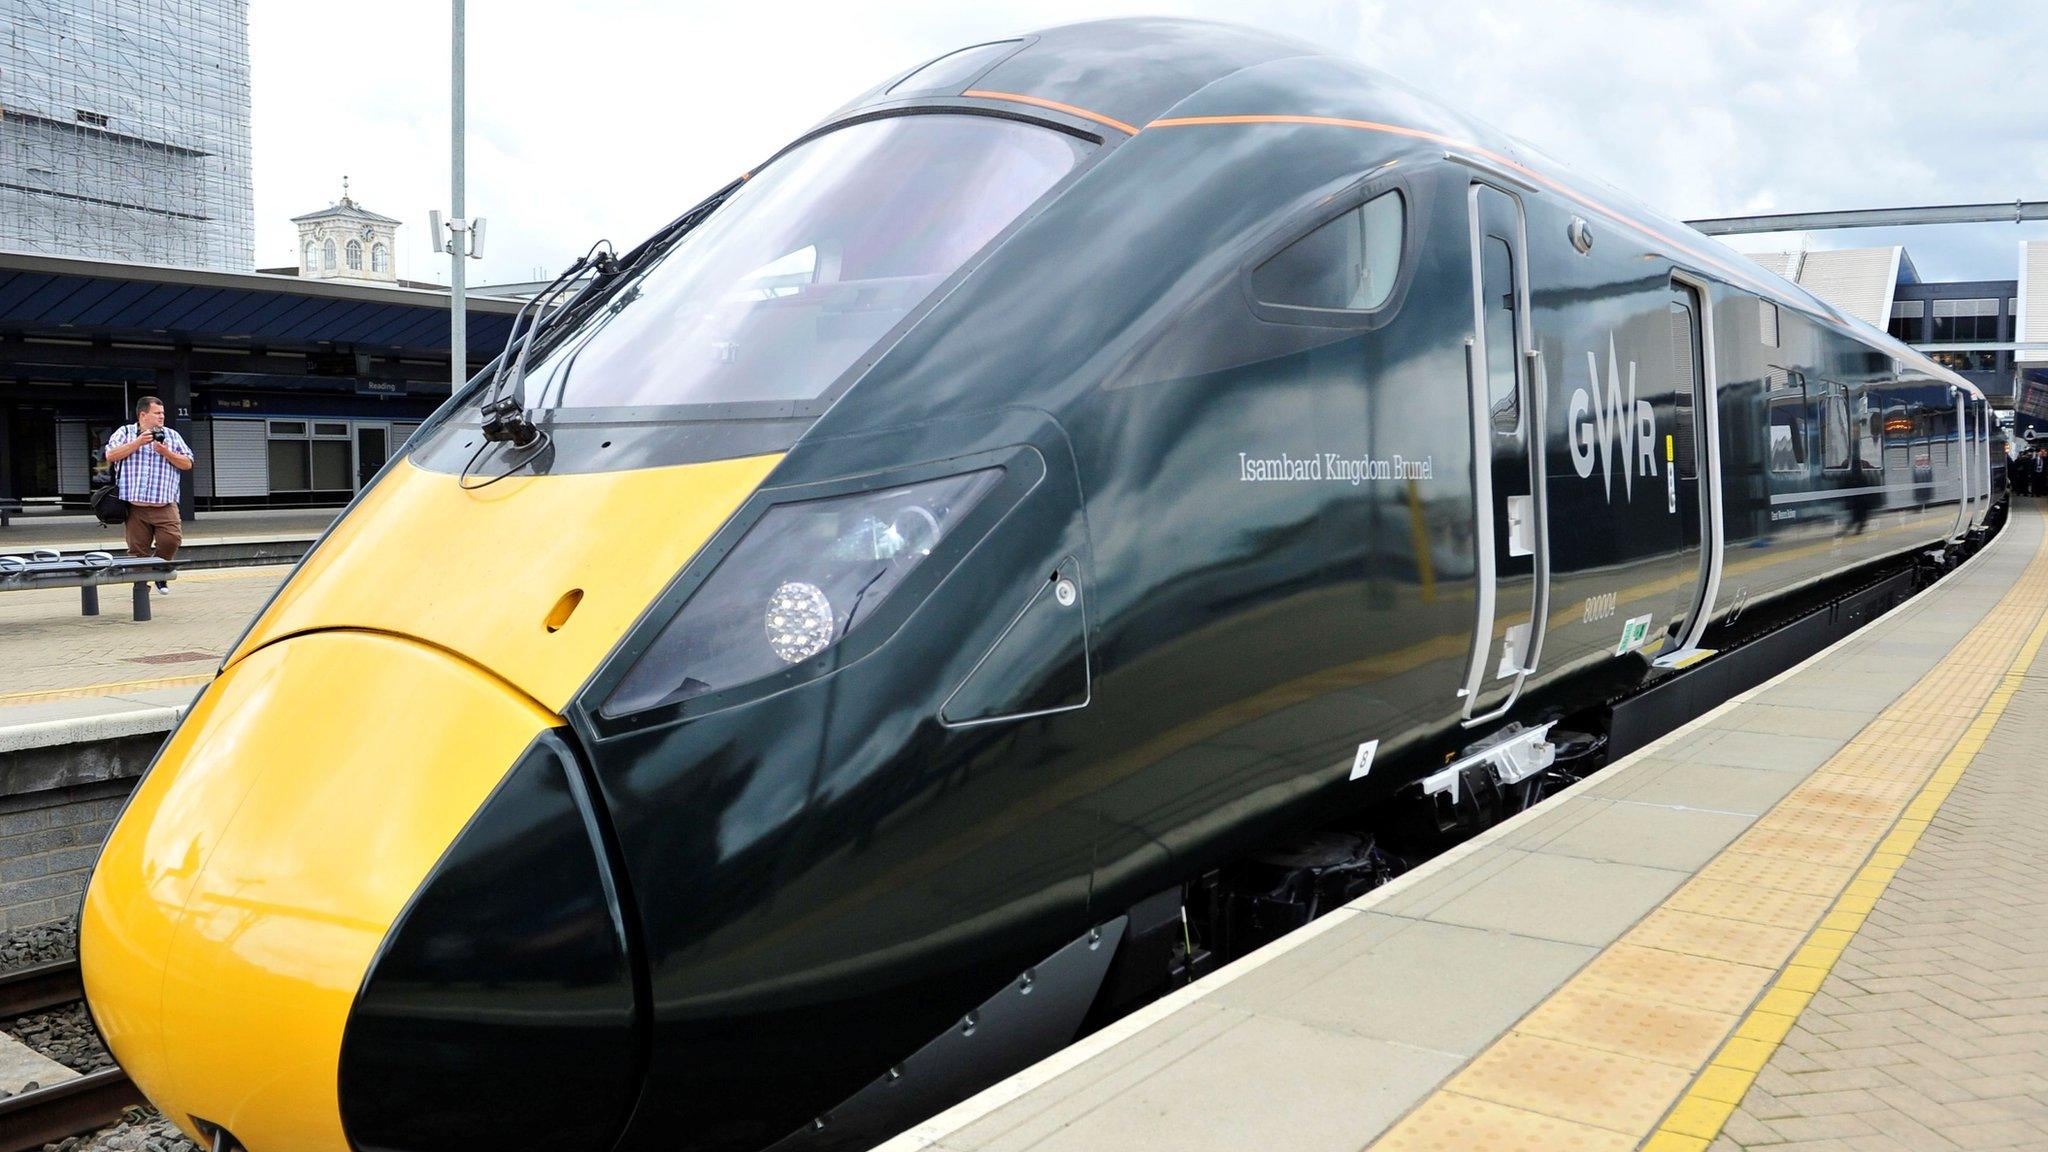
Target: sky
[607,118]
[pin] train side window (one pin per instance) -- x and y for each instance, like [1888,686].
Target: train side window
[1788,439]
[1787,398]
[1497,287]
[1869,430]
[1346,265]
[1898,438]
[1836,437]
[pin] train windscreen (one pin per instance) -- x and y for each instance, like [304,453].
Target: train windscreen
[807,266]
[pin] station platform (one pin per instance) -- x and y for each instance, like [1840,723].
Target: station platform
[1815,918]
[53,652]
[215,539]
[87,698]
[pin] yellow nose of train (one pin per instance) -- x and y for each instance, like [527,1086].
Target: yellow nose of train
[250,895]
[237,908]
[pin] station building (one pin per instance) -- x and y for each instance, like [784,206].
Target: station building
[1952,321]
[127,241]
[124,131]
[292,390]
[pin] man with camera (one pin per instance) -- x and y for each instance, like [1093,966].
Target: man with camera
[146,458]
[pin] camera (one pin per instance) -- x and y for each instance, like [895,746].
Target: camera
[156,434]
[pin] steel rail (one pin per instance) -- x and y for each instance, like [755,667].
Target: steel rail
[39,988]
[47,1115]
[69,1107]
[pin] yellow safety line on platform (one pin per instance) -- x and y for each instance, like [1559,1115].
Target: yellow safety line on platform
[1696,1120]
[104,689]
[1690,1003]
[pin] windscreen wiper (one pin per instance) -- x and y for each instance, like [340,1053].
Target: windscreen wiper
[504,413]
[505,417]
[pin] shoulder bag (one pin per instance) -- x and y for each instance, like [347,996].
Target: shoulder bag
[107,505]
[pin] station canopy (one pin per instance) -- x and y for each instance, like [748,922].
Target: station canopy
[60,317]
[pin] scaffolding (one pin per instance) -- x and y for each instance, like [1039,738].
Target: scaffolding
[124,131]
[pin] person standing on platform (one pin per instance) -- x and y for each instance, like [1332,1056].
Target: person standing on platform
[2038,470]
[147,458]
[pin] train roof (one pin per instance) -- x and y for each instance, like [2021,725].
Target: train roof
[1125,76]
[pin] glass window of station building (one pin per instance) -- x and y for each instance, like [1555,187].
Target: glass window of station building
[1966,313]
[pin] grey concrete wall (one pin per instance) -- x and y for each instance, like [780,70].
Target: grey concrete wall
[25,772]
[48,842]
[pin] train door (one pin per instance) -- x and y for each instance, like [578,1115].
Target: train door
[1981,421]
[1507,411]
[1963,448]
[373,448]
[1694,463]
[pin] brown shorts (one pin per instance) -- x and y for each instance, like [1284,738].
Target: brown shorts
[154,530]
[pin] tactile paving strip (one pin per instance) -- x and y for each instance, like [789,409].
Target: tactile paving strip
[1656,1040]
[1453,1122]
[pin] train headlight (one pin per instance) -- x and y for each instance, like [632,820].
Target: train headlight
[802,577]
[799,621]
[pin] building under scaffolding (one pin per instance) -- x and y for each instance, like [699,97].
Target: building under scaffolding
[124,131]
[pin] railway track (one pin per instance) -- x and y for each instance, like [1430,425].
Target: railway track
[90,1101]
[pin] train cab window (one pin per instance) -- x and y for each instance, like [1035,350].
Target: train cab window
[1347,265]
[1837,436]
[783,276]
[806,267]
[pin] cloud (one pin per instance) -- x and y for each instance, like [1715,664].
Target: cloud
[606,119]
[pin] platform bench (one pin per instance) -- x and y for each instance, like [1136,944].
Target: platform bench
[87,572]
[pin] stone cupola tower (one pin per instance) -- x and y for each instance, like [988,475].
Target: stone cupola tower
[347,242]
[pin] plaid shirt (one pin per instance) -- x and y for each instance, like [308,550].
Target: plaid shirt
[146,477]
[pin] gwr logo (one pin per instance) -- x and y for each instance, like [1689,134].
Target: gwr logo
[1619,426]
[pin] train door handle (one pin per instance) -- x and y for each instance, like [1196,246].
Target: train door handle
[1521,525]
[1512,645]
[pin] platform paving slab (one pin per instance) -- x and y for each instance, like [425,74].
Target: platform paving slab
[1931,1031]
[48,650]
[1602,968]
